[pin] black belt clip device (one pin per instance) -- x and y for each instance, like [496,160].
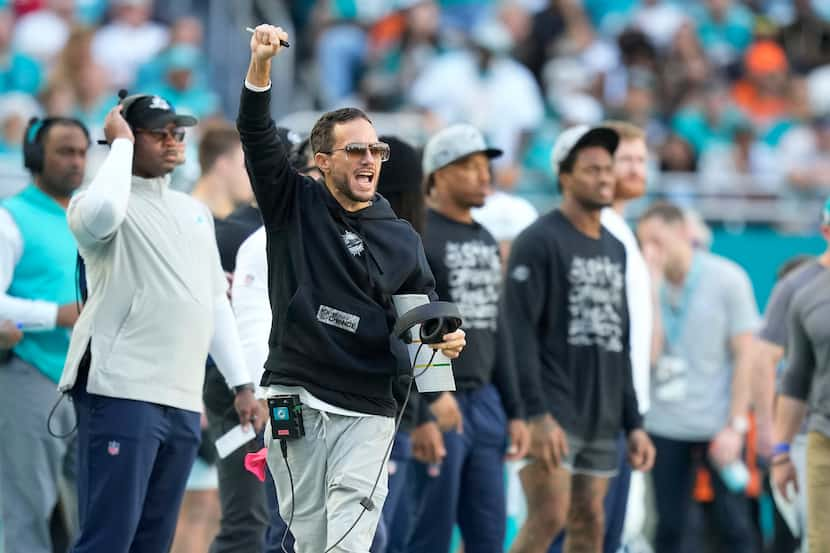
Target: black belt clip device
[286,413]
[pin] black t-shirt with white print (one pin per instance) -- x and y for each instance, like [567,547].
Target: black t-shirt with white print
[566,307]
[465,261]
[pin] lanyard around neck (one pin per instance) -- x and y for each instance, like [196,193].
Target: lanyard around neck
[674,316]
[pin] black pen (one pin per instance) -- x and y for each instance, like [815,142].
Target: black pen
[282,42]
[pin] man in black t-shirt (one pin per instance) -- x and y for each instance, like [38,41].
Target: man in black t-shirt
[484,413]
[566,306]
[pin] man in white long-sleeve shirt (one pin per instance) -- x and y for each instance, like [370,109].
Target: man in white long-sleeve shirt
[136,358]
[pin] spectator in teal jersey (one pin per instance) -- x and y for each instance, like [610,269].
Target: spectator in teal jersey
[609,18]
[400,47]
[711,122]
[181,86]
[463,15]
[186,31]
[724,28]
[18,72]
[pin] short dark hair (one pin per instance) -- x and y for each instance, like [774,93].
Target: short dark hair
[58,121]
[400,182]
[322,135]
[665,211]
[216,142]
[792,264]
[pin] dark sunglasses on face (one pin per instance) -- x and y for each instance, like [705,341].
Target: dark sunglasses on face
[160,135]
[357,150]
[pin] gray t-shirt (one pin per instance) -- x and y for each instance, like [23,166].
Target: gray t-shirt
[697,361]
[775,328]
[807,374]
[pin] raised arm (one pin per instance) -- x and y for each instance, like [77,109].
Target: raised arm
[274,181]
[96,212]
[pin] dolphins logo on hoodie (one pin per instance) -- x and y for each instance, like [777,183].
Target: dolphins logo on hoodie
[353,242]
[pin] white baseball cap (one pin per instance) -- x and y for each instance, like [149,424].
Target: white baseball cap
[453,143]
[574,137]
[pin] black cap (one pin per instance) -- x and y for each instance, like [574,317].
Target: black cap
[154,112]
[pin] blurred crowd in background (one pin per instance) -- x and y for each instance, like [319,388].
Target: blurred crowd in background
[734,95]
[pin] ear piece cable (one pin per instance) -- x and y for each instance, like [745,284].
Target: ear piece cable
[366,503]
[78,297]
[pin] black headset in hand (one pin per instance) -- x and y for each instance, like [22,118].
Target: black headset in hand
[436,318]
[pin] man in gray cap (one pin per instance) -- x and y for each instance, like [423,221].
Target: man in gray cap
[566,307]
[467,486]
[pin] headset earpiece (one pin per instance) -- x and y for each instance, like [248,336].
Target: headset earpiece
[127,102]
[33,154]
[433,330]
[436,318]
[32,148]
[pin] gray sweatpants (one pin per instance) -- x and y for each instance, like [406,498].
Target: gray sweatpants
[31,461]
[334,466]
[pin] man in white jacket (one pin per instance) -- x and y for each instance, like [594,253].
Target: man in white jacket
[156,308]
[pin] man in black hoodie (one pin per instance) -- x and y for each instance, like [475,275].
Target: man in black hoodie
[337,253]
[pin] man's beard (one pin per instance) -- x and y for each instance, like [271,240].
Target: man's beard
[592,205]
[60,188]
[341,184]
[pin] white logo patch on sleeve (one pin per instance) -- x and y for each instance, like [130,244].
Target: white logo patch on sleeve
[339,319]
[520,273]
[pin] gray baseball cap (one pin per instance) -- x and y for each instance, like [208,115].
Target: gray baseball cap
[574,137]
[453,143]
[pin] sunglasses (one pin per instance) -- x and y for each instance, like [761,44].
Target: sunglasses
[357,150]
[160,135]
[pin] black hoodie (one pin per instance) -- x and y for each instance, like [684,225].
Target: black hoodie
[332,275]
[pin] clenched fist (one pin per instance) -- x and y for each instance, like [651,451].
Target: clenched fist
[265,42]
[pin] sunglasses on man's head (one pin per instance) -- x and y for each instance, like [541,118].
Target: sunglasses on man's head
[160,135]
[357,150]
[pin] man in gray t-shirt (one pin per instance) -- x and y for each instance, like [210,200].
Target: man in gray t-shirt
[806,379]
[701,381]
[772,344]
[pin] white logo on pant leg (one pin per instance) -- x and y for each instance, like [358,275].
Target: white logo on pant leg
[113,448]
[353,242]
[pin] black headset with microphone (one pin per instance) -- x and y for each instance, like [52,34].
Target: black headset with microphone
[33,153]
[126,101]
